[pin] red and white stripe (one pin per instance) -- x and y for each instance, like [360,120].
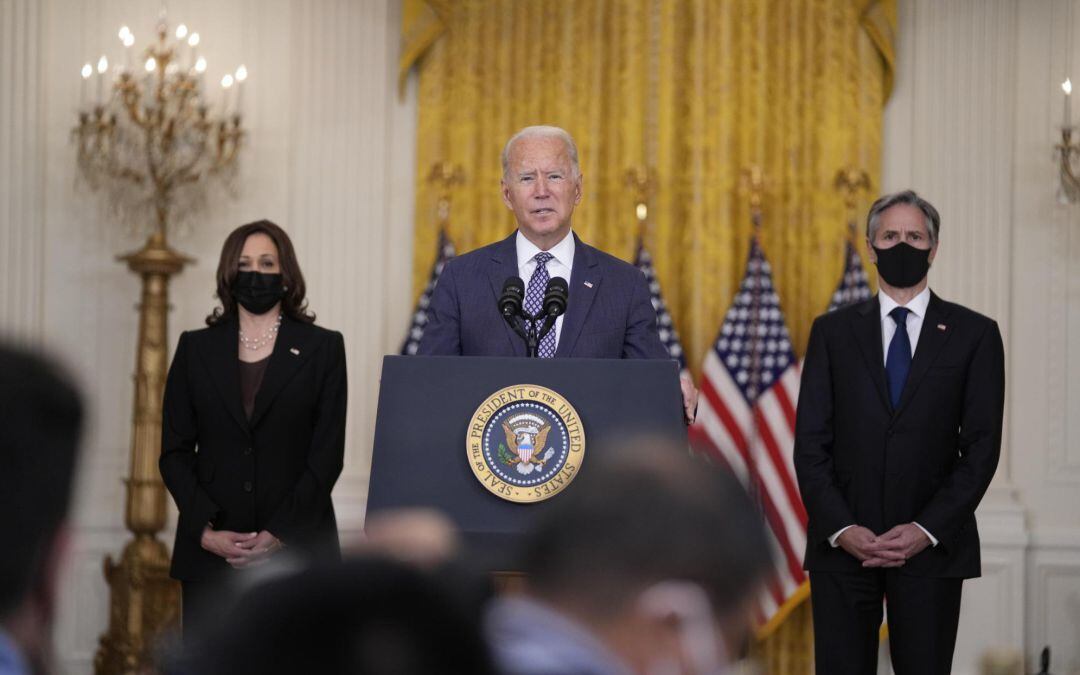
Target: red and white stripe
[757,444]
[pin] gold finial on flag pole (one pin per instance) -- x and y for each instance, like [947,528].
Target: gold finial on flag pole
[852,183]
[753,184]
[642,180]
[446,176]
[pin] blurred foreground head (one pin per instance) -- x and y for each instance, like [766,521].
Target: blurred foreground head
[364,615]
[660,554]
[40,423]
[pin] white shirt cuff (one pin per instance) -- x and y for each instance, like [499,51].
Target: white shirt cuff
[933,541]
[836,536]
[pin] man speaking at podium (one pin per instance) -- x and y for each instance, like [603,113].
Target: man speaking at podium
[608,313]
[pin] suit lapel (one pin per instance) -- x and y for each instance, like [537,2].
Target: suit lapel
[931,340]
[867,326]
[584,285]
[291,350]
[220,354]
[502,266]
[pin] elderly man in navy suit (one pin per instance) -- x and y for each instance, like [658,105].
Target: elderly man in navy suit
[609,313]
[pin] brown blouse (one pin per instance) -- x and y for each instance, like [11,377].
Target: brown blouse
[251,377]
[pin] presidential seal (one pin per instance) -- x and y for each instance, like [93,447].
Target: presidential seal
[525,443]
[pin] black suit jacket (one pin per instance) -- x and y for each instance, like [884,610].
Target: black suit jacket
[859,461]
[274,472]
[609,312]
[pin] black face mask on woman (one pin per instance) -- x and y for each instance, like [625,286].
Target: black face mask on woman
[902,265]
[257,292]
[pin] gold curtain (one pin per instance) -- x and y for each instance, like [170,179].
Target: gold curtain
[696,90]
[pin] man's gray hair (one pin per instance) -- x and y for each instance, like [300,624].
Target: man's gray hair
[542,132]
[886,202]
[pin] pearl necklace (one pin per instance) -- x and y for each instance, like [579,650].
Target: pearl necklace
[255,344]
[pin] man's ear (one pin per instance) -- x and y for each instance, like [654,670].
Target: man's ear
[871,254]
[578,190]
[506,194]
[933,253]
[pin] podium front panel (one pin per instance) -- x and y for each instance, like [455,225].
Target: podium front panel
[419,457]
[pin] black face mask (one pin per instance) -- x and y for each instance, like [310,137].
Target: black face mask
[257,292]
[903,265]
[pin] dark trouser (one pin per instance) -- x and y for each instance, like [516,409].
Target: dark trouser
[923,616]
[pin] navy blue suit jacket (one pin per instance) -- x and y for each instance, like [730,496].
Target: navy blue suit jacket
[609,312]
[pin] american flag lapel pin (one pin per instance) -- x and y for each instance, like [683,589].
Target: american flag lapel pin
[588,284]
[941,326]
[294,351]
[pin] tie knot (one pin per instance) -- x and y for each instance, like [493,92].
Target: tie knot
[899,315]
[542,258]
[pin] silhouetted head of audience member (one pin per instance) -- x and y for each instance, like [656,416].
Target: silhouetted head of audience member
[40,423]
[364,615]
[658,554]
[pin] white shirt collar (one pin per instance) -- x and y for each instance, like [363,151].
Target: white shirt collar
[563,251]
[917,305]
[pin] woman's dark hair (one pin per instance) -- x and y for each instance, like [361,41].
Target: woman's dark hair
[293,305]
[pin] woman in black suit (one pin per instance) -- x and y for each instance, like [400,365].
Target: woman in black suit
[253,424]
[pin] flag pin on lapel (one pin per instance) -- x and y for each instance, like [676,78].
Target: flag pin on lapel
[296,352]
[941,326]
[588,284]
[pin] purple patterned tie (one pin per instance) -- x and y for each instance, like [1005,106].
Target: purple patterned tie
[534,298]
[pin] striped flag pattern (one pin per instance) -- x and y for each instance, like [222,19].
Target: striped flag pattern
[854,285]
[444,253]
[746,421]
[668,335]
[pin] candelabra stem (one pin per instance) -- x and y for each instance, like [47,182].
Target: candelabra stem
[143,599]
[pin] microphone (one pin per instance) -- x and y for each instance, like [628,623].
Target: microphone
[555,297]
[513,293]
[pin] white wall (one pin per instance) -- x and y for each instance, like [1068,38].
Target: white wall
[971,126]
[330,157]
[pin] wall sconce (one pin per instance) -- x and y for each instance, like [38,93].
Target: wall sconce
[1067,151]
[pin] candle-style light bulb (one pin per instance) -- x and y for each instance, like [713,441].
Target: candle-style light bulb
[151,64]
[181,32]
[227,81]
[124,32]
[102,64]
[129,40]
[241,73]
[86,71]
[200,65]
[1066,87]
[193,40]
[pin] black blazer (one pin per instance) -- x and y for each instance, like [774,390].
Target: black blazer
[273,473]
[860,462]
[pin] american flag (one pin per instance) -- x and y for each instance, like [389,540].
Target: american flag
[854,286]
[746,421]
[445,251]
[668,335]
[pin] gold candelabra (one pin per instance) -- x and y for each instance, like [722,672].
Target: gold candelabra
[152,144]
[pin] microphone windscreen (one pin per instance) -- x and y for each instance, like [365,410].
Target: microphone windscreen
[513,293]
[555,296]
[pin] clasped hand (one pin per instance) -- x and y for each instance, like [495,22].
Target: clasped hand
[891,549]
[241,549]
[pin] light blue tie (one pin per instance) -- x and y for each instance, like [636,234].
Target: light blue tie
[898,361]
